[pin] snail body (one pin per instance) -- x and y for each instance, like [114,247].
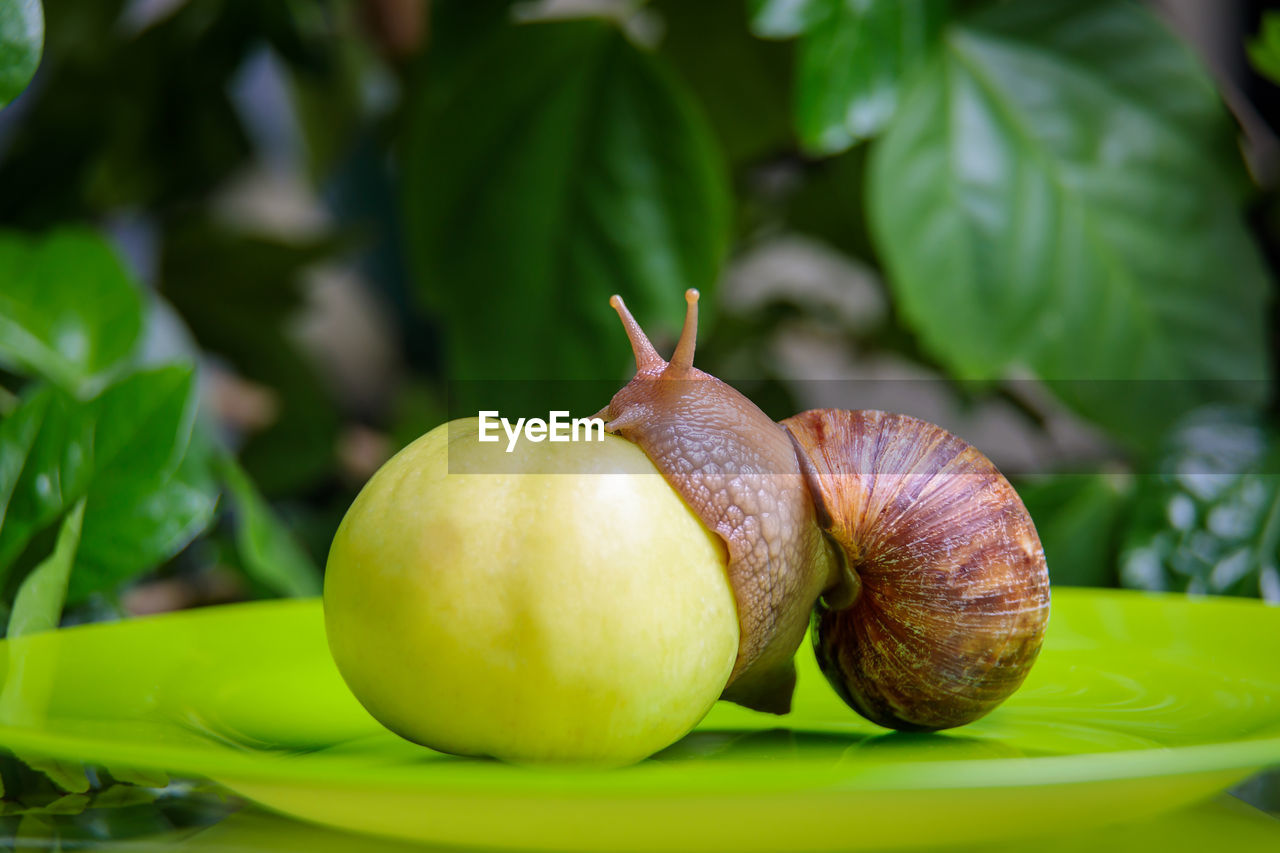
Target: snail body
[912,557]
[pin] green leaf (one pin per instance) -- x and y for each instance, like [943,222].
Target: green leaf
[1209,520]
[852,60]
[17,436]
[1079,518]
[851,66]
[143,424]
[68,311]
[21,40]
[1264,50]
[268,551]
[1061,192]
[568,165]
[742,82]
[124,452]
[38,605]
[149,496]
[457,30]
[135,525]
[55,473]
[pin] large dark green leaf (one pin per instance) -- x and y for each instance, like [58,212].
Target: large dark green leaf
[1208,519]
[1061,191]
[566,166]
[68,311]
[852,60]
[741,81]
[21,39]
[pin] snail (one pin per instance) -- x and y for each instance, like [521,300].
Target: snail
[910,555]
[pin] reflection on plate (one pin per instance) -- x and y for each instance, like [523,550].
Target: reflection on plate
[1223,823]
[1139,704]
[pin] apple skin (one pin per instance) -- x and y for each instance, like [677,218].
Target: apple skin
[477,604]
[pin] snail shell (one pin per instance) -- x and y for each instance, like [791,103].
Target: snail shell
[934,592]
[954,591]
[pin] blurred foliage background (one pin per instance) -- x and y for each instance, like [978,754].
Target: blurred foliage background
[248,250]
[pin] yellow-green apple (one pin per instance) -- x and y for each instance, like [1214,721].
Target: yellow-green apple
[556,603]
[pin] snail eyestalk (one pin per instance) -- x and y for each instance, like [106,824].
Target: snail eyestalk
[647,357]
[682,359]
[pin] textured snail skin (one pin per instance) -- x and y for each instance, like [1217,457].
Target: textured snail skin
[954,590]
[737,470]
[928,577]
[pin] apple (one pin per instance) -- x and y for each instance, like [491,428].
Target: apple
[557,603]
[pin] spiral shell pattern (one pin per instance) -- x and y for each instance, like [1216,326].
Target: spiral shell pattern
[954,591]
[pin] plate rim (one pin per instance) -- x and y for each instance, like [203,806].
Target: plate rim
[475,776]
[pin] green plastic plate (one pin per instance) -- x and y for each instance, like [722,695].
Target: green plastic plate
[1139,704]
